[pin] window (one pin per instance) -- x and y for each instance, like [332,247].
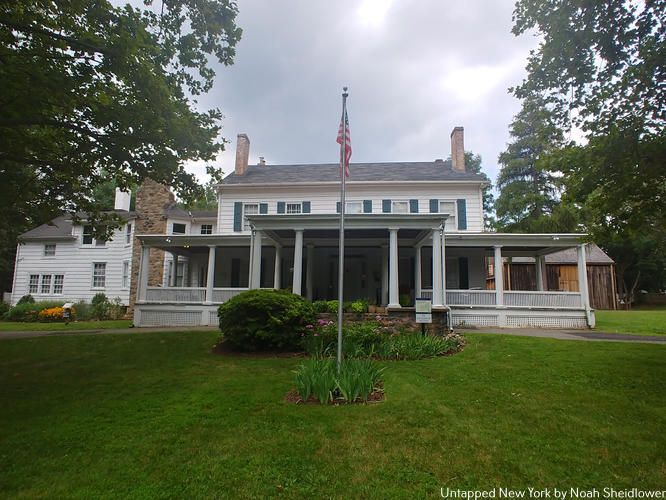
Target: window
[33,286]
[177,228]
[126,277]
[354,207]
[88,237]
[400,207]
[293,208]
[58,283]
[46,283]
[49,250]
[447,207]
[206,229]
[99,275]
[128,234]
[249,209]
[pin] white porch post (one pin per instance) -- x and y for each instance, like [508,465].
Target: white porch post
[437,268]
[186,271]
[173,271]
[296,286]
[582,285]
[443,267]
[308,272]
[499,276]
[417,273]
[143,274]
[385,275]
[256,261]
[394,299]
[277,275]
[540,272]
[210,275]
[250,261]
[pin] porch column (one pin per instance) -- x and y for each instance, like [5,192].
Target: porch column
[437,280]
[173,271]
[385,272]
[256,261]
[417,273]
[144,268]
[308,272]
[250,261]
[443,236]
[296,286]
[582,277]
[277,275]
[394,299]
[499,276]
[210,275]
[186,271]
[540,272]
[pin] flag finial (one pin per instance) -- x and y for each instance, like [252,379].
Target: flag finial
[344,92]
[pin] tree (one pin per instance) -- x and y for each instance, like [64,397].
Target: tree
[529,192]
[473,164]
[207,200]
[92,91]
[600,67]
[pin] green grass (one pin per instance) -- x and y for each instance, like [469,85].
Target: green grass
[643,322]
[16,326]
[157,415]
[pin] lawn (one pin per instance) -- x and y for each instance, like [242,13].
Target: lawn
[16,326]
[157,415]
[641,322]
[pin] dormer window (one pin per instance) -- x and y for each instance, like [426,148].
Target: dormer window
[89,240]
[178,228]
[206,229]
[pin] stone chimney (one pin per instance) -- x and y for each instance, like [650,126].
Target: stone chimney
[458,149]
[242,153]
[152,202]
[122,200]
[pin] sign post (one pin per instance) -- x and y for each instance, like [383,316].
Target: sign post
[423,312]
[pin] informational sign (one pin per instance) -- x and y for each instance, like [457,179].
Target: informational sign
[423,310]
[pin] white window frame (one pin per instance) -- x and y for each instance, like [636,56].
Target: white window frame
[128,233]
[181,224]
[45,285]
[126,275]
[293,207]
[453,213]
[58,283]
[354,203]
[33,284]
[47,247]
[246,223]
[101,275]
[94,242]
[395,203]
[209,229]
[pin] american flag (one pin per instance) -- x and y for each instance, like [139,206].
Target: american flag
[348,148]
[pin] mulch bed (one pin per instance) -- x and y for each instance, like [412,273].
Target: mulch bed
[223,349]
[377,396]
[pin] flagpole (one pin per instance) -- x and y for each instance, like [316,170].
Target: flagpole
[341,250]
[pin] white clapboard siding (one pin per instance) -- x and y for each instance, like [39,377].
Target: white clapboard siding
[75,262]
[323,199]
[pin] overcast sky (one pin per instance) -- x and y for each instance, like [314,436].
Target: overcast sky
[414,68]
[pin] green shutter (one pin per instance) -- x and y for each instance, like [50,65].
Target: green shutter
[462,213]
[413,206]
[238,216]
[337,206]
[434,206]
[280,207]
[386,206]
[306,207]
[263,208]
[367,206]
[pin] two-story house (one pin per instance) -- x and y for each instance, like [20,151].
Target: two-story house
[413,229]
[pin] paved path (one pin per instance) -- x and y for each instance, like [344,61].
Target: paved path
[584,335]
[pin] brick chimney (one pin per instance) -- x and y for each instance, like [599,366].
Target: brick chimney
[458,149]
[242,153]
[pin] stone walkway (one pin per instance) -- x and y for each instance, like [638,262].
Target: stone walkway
[581,335]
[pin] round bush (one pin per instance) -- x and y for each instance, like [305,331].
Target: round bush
[259,320]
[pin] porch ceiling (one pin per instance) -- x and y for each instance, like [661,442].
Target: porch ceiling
[293,222]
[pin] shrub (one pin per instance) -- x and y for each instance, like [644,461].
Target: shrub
[51,314]
[29,311]
[100,306]
[83,311]
[332,306]
[359,306]
[320,306]
[265,319]
[416,346]
[4,308]
[26,299]
[116,309]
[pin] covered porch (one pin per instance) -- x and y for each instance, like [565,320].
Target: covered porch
[389,261]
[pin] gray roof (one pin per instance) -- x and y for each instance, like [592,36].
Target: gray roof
[176,211]
[438,170]
[61,227]
[593,255]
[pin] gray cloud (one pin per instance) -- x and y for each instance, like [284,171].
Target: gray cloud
[413,74]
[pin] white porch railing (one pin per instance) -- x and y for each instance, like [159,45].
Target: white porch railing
[470,297]
[175,295]
[221,295]
[542,299]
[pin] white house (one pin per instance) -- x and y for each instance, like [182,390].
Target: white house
[414,229]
